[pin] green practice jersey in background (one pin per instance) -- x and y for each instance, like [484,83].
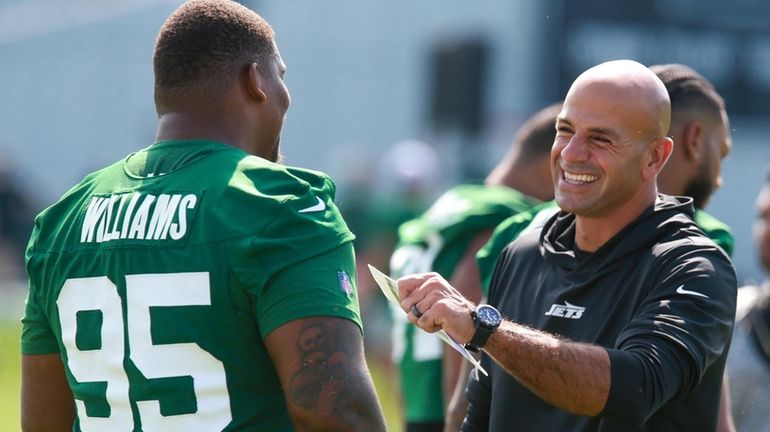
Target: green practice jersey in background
[507,231]
[436,241]
[716,230]
[511,228]
[157,278]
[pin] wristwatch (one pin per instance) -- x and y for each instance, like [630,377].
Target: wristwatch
[486,319]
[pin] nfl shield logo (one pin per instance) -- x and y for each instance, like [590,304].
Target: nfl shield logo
[345,284]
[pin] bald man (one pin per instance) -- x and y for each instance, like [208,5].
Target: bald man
[619,310]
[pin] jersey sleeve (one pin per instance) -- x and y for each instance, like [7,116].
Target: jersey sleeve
[682,328]
[301,264]
[716,230]
[324,285]
[506,232]
[37,336]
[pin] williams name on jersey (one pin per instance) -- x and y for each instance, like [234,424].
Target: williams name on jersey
[137,216]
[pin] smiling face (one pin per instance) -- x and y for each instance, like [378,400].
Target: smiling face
[601,148]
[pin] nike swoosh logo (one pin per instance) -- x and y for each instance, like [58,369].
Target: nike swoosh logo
[681,290]
[319,206]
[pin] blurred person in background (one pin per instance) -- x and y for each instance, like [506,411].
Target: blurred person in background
[591,314]
[16,214]
[700,129]
[198,284]
[445,239]
[400,186]
[749,361]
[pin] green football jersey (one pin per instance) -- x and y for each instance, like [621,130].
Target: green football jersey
[511,228]
[506,232]
[157,278]
[436,241]
[716,230]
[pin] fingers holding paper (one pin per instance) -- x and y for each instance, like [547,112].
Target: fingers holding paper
[433,304]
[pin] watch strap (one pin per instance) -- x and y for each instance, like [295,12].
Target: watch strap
[480,337]
[483,332]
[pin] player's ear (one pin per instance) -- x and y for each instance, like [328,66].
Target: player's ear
[692,141]
[253,82]
[657,155]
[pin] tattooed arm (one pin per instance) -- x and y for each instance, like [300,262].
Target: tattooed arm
[320,362]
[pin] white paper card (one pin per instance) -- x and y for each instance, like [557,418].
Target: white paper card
[389,287]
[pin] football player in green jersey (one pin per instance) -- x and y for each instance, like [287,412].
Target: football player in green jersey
[197,284]
[445,239]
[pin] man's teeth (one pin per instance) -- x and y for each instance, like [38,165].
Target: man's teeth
[580,178]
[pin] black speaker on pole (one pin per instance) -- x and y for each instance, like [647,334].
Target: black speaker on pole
[458,85]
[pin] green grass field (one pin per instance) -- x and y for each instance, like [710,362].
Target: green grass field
[10,370]
[9,375]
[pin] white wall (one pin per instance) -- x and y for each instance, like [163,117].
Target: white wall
[358,71]
[78,96]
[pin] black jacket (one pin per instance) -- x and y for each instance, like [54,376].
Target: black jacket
[659,296]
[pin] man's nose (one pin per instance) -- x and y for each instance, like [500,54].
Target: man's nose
[576,149]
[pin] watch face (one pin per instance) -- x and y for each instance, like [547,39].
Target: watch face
[488,315]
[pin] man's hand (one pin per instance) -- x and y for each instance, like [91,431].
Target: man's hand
[569,375]
[433,304]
